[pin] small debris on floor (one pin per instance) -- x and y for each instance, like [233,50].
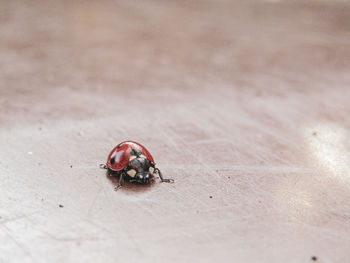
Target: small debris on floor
[71,166]
[60,205]
[210,197]
[314,258]
[314,133]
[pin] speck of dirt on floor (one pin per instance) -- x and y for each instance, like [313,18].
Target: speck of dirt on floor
[210,196]
[313,258]
[71,166]
[314,133]
[60,205]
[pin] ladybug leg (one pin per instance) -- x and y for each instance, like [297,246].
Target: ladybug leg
[121,182]
[161,177]
[103,166]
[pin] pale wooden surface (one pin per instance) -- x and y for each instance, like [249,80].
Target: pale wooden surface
[246,102]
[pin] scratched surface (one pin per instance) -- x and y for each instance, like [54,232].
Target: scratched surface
[245,105]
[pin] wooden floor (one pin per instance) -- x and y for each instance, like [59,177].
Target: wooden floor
[245,104]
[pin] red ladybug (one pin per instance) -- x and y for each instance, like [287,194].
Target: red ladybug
[131,161]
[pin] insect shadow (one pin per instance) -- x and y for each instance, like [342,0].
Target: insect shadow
[134,187]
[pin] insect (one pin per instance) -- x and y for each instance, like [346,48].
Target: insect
[132,162]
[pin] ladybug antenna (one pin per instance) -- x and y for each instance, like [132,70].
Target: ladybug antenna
[161,177]
[103,166]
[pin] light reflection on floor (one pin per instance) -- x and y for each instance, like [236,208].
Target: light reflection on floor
[329,149]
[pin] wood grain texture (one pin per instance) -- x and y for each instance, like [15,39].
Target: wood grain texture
[246,102]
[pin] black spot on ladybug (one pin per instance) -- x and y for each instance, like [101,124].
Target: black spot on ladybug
[112,160]
[313,258]
[60,205]
[120,145]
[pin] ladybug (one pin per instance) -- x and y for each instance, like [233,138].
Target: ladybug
[131,161]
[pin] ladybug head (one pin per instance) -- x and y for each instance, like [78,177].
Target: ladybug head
[140,169]
[143,178]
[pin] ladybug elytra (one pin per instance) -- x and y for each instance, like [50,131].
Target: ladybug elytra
[131,161]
